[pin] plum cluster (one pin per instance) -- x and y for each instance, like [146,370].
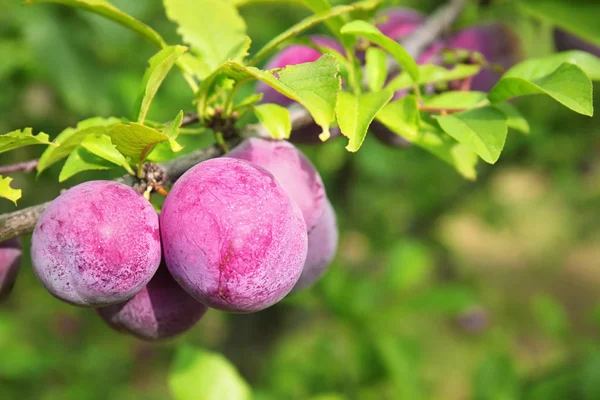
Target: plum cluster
[236,233]
[496,42]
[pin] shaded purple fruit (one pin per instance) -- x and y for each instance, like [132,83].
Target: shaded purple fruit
[293,55]
[497,43]
[159,311]
[322,245]
[564,41]
[232,236]
[96,244]
[398,22]
[292,169]
[10,262]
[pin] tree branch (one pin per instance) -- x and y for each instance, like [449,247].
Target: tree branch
[22,222]
[25,166]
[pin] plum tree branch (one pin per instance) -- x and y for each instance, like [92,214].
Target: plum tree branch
[25,166]
[22,222]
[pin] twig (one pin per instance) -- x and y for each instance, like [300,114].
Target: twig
[189,119]
[23,221]
[441,20]
[25,166]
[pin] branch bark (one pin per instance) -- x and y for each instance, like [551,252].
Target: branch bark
[22,222]
[25,166]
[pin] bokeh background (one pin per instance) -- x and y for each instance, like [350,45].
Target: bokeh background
[442,288]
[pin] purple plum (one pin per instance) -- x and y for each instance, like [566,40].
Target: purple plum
[496,42]
[161,310]
[292,55]
[292,169]
[10,262]
[232,237]
[564,41]
[399,22]
[96,244]
[322,245]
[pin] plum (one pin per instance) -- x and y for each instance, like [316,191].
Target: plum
[292,169]
[399,22]
[322,245]
[292,55]
[10,262]
[496,42]
[232,237]
[564,41]
[96,244]
[161,310]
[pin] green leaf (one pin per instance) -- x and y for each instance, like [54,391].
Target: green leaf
[200,374]
[81,160]
[276,119]
[377,69]
[213,29]
[308,23]
[159,66]
[7,192]
[535,68]
[402,117]
[580,18]
[104,8]
[70,138]
[101,146]
[21,138]
[314,85]
[455,100]
[430,73]
[567,84]
[172,132]
[370,32]
[356,112]
[136,140]
[163,151]
[514,119]
[250,100]
[483,130]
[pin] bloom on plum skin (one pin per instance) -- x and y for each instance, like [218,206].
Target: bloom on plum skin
[232,237]
[161,310]
[292,169]
[96,244]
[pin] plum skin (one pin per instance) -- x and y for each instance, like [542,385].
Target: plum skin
[10,262]
[322,246]
[292,169]
[161,310]
[96,244]
[564,41]
[232,237]
[496,42]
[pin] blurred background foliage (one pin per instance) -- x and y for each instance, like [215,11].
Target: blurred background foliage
[442,288]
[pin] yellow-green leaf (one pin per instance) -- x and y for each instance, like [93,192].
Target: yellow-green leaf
[159,66]
[21,138]
[70,138]
[7,192]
